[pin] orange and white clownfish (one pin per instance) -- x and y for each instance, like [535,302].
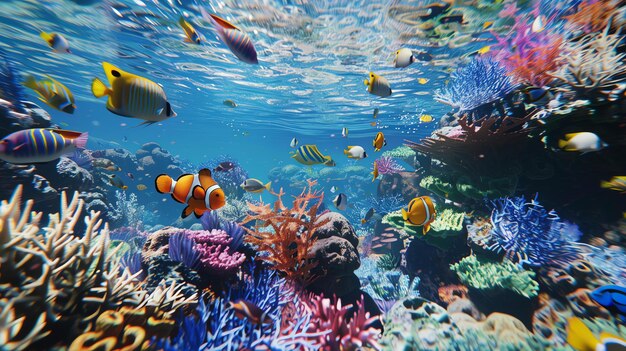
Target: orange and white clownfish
[199,191]
[421,211]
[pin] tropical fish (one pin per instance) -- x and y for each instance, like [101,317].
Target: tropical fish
[373,124]
[376,111]
[237,41]
[484,50]
[199,191]
[341,201]
[42,184]
[141,187]
[538,96]
[375,172]
[423,80]
[40,145]
[52,93]
[434,10]
[310,155]
[133,96]
[426,118]
[611,297]
[404,57]
[191,35]
[379,141]
[539,24]
[368,216]
[424,56]
[377,85]
[230,103]
[224,166]
[580,337]
[116,182]
[344,132]
[246,309]
[56,41]
[130,175]
[582,142]
[487,25]
[356,152]
[452,19]
[333,189]
[421,211]
[617,183]
[293,143]
[252,185]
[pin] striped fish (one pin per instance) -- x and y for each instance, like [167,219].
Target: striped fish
[421,211]
[311,155]
[191,35]
[40,145]
[237,41]
[199,191]
[52,93]
[133,96]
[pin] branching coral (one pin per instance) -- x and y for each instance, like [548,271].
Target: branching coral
[527,233]
[387,165]
[291,233]
[481,82]
[486,275]
[593,15]
[53,280]
[592,65]
[385,285]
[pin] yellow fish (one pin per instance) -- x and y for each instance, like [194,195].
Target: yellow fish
[52,93]
[310,155]
[487,25]
[379,141]
[377,85]
[484,50]
[375,172]
[580,337]
[133,96]
[423,80]
[426,118]
[57,42]
[373,124]
[617,183]
[191,34]
[421,211]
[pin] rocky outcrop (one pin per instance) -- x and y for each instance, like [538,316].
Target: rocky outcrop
[403,183]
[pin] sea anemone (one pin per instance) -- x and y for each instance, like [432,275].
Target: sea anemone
[387,165]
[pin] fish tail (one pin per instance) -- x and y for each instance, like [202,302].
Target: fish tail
[99,89]
[606,185]
[345,152]
[425,229]
[186,212]
[366,82]
[579,336]
[405,215]
[30,82]
[81,140]
[164,184]
[47,37]
[562,143]
[268,185]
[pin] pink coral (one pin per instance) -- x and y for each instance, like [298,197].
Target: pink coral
[343,334]
[387,165]
[216,256]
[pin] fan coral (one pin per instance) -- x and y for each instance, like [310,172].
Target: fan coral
[481,82]
[387,165]
[486,275]
[346,335]
[291,233]
[592,65]
[54,280]
[529,234]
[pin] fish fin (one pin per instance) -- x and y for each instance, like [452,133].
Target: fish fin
[145,123]
[70,134]
[198,212]
[425,229]
[163,183]
[405,214]
[186,212]
[18,147]
[606,185]
[47,37]
[198,192]
[268,185]
[205,172]
[30,82]
[99,89]
[568,136]
[81,141]
[218,21]
[385,142]
[366,82]
[160,111]
[345,152]
[562,143]
[605,335]
[579,336]
[187,40]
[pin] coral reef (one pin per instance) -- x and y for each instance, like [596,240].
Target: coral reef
[403,153]
[387,165]
[594,16]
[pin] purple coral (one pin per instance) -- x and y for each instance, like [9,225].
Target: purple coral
[216,256]
[211,220]
[387,165]
[182,248]
[529,234]
[481,82]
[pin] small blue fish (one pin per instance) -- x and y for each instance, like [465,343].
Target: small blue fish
[611,297]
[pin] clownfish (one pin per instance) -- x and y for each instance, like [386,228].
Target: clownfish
[421,211]
[199,191]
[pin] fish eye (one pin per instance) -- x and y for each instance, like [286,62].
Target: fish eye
[115,73]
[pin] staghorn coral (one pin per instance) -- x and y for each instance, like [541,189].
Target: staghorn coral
[486,275]
[528,234]
[349,334]
[56,283]
[482,81]
[284,237]
[387,165]
[592,65]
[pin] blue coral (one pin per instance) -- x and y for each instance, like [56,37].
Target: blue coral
[481,82]
[529,234]
[181,249]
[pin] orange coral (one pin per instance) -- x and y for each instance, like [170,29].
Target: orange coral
[593,17]
[450,293]
[533,67]
[285,236]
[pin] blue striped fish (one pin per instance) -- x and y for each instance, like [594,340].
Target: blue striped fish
[310,155]
[40,145]
[133,96]
[237,41]
[52,93]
